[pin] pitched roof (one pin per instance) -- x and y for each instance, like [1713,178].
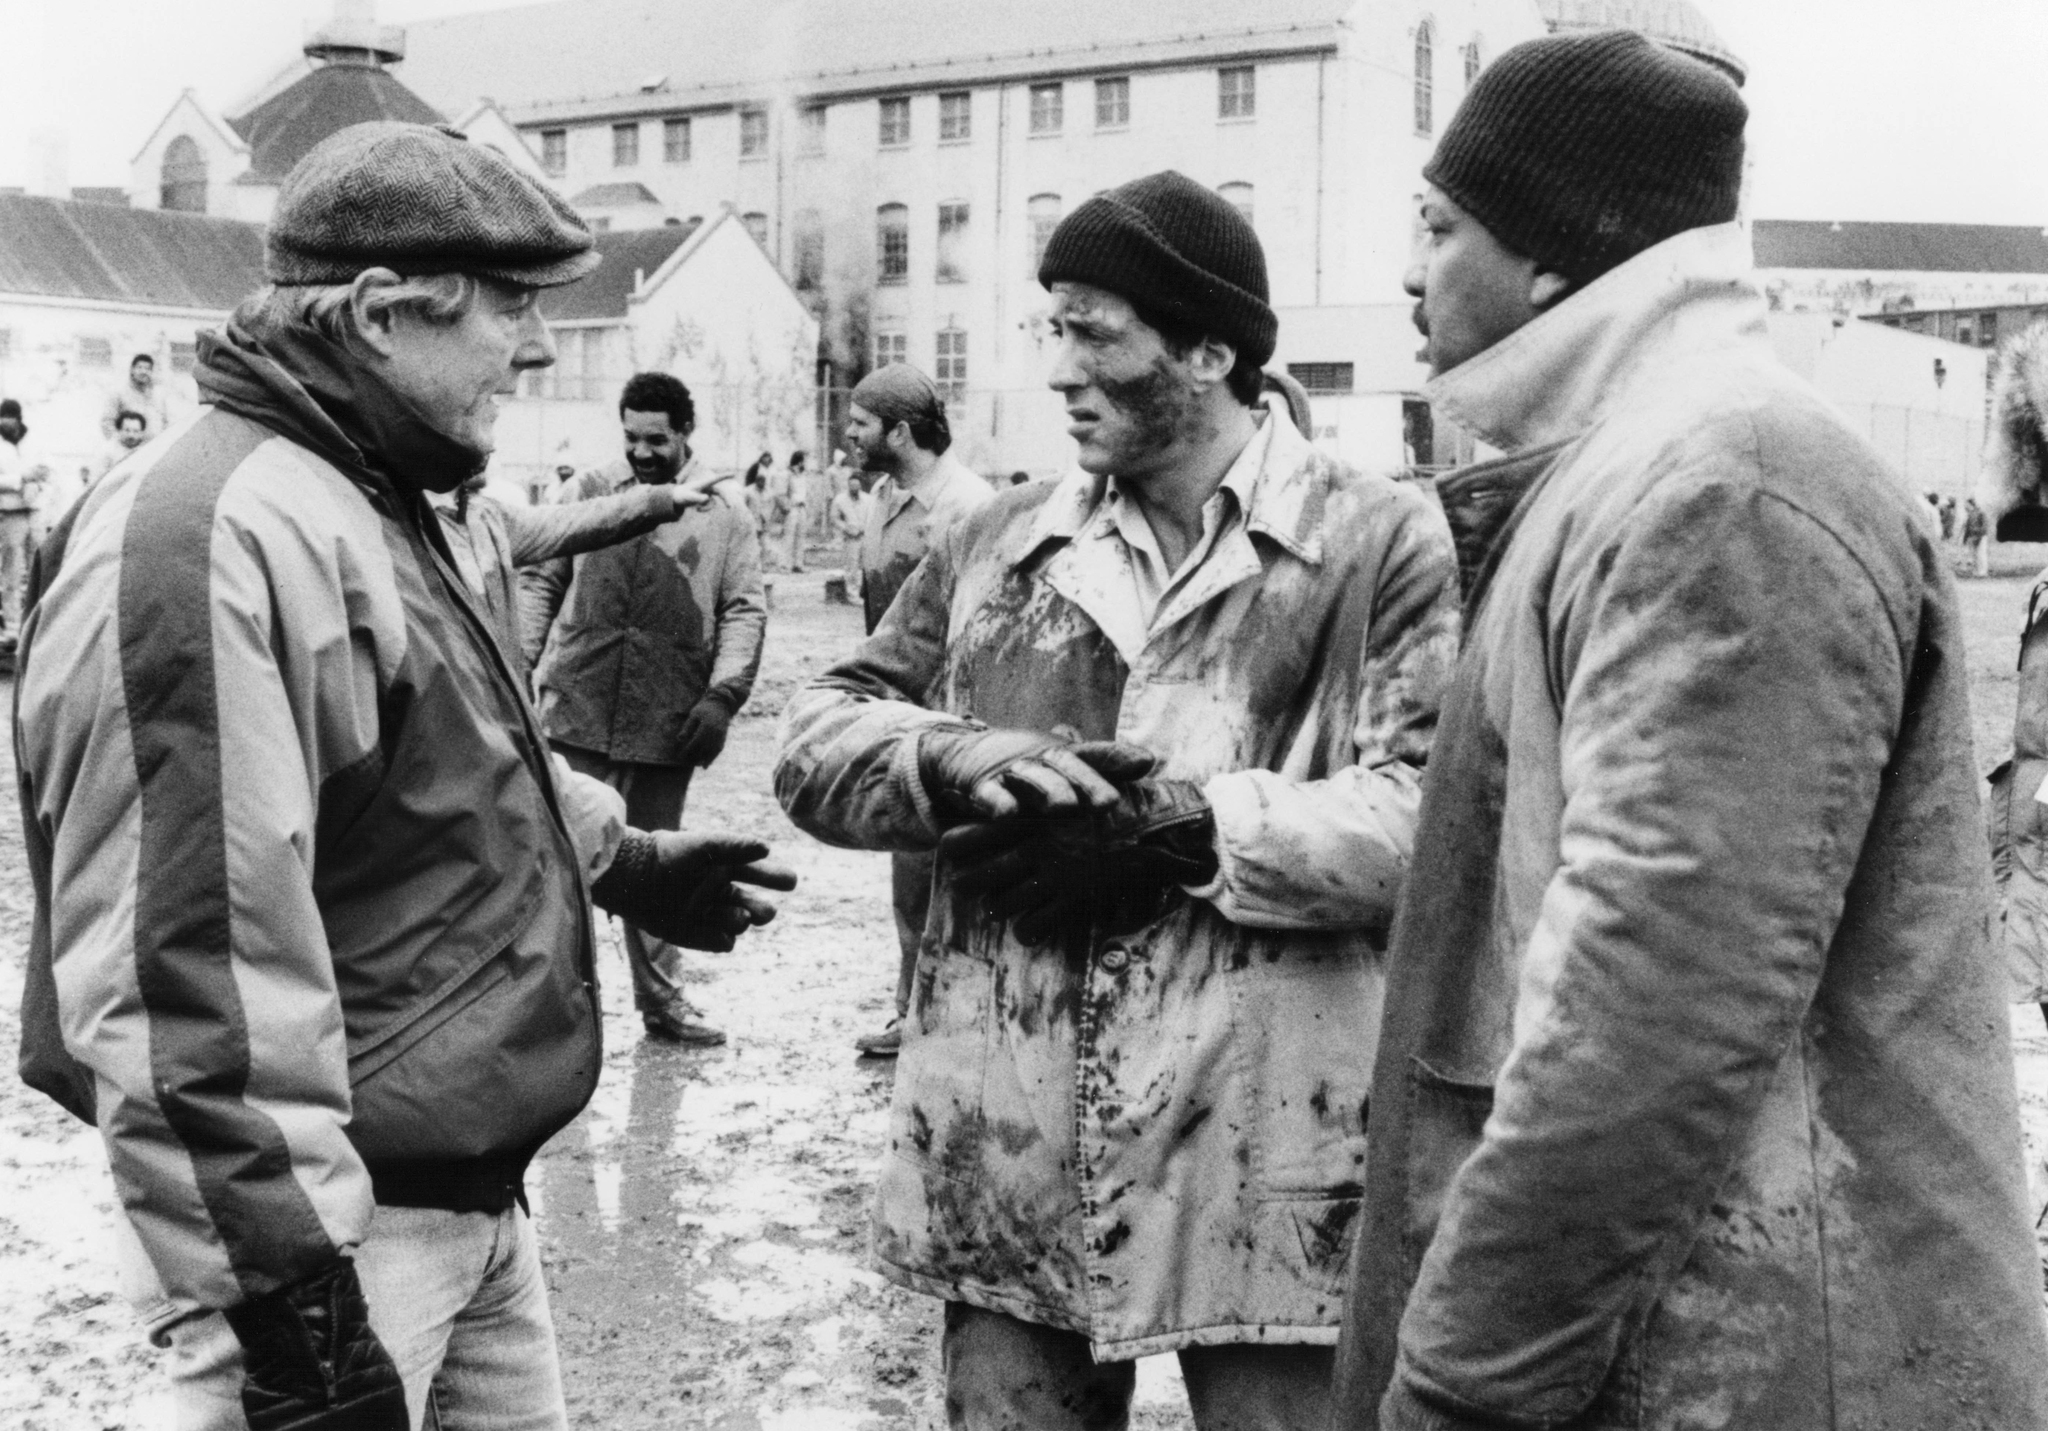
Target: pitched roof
[1678,23]
[627,255]
[281,129]
[549,59]
[1901,248]
[57,248]
[614,196]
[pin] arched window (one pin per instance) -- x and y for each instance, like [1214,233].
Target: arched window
[757,225]
[1425,79]
[1042,213]
[1238,196]
[184,178]
[1474,60]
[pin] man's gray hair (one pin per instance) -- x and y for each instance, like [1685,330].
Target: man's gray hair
[437,298]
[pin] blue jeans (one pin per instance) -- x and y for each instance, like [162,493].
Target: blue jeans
[457,1298]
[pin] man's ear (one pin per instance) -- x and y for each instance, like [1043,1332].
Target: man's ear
[1211,361]
[370,317]
[1548,289]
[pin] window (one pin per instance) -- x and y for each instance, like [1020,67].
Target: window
[807,240]
[952,262]
[949,367]
[895,129]
[891,348]
[675,141]
[1322,377]
[956,117]
[753,133]
[892,243]
[1113,102]
[1042,215]
[1048,108]
[1473,62]
[1238,196]
[1987,329]
[184,176]
[1965,334]
[184,356]
[554,151]
[95,353]
[1425,79]
[625,145]
[811,130]
[1237,93]
[757,225]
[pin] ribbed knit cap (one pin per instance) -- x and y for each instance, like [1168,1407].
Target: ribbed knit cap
[1175,248]
[419,199]
[1580,151]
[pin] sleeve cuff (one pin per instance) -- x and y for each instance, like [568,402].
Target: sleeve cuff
[908,783]
[1228,797]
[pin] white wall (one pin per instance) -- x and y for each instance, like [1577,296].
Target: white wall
[61,394]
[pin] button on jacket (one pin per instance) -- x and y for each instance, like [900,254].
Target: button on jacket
[1694,1105]
[627,640]
[1154,1140]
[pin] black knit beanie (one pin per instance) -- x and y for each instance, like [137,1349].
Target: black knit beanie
[1174,248]
[1580,151]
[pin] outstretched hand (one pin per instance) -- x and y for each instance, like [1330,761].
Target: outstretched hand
[1000,774]
[692,890]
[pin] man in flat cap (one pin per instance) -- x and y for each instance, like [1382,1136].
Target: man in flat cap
[1694,1104]
[896,431]
[1164,723]
[313,934]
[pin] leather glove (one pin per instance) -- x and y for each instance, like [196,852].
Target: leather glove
[1110,871]
[995,774]
[311,1362]
[690,889]
[704,728]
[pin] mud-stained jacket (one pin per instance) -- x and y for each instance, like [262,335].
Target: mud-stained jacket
[312,917]
[625,641]
[899,525]
[1695,1103]
[1157,1140]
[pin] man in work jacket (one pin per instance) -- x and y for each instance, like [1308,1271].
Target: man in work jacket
[896,425]
[1694,1103]
[313,942]
[644,652]
[1130,1111]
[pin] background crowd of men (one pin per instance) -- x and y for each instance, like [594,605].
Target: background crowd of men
[1514,956]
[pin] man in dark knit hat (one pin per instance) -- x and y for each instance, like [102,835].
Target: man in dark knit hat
[897,431]
[313,942]
[1163,722]
[1693,1103]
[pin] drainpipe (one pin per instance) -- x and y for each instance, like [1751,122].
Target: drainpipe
[1322,63]
[1002,278]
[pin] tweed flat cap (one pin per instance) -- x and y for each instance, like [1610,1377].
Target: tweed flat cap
[418,199]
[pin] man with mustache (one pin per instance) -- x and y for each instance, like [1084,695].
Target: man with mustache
[643,652]
[1163,722]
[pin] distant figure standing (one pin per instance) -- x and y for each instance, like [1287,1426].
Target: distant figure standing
[898,431]
[797,522]
[1977,536]
[21,481]
[849,520]
[1948,518]
[138,395]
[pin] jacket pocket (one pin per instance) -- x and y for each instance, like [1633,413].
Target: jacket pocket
[944,1065]
[1308,1020]
[1445,1120]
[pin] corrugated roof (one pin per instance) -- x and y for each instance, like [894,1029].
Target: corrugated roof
[614,196]
[58,248]
[539,58]
[284,127]
[626,256]
[1903,248]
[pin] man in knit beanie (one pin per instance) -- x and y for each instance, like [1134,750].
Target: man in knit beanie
[1693,1102]
[1163,724]
[313,943]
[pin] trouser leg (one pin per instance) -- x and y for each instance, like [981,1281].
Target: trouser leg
[501,1371]
[15,548]
[1259,1388]
[1003,1374]
[654,796]
[910,897]
[202,1359]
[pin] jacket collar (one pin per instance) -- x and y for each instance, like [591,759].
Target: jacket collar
[1552,379]
[1286,505]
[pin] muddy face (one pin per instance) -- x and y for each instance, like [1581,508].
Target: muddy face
[1133,407]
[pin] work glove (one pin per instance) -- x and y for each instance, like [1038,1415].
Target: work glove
[1111,871]
[690,889]
[310,1361]
[972,772]
[704,728]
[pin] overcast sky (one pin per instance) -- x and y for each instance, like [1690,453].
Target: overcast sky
[1931,110]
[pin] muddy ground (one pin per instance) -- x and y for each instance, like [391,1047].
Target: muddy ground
[704,1221]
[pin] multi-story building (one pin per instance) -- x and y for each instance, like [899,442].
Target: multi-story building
[904,162]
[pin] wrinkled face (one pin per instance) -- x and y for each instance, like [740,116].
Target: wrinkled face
[869,440]
[1132,405]
[142,373]
[654,449]
[453,373]
[1473,290]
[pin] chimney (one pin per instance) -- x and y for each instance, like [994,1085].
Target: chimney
[353,37]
